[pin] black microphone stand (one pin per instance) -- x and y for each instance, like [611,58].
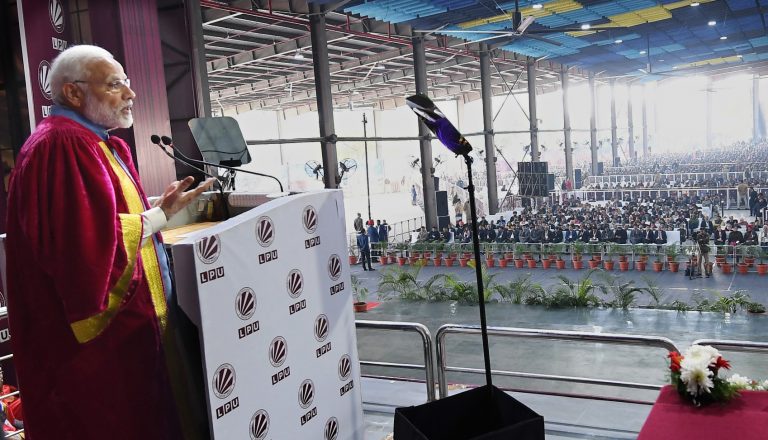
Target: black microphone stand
[478,271]
[169,142]
[218,179]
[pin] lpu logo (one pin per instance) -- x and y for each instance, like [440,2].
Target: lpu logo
[223,385]
[334,271]
[345,371]
[265,235]
[322,329]
[331,429]
[208,250]
[309,221]
[295,285]
[245,308]
[306,396]
[278,353]
[259,426]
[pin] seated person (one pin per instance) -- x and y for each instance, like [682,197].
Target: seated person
[423,235]
[735,237]
[434,235]
[750,238]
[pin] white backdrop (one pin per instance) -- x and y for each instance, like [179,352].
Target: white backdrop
[270,292]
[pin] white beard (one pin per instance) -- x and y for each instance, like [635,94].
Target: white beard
[101,113]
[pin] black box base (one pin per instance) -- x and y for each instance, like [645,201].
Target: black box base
[484,413]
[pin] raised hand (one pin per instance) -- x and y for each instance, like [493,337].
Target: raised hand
[175,197]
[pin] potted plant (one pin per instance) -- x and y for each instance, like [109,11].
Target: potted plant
[578,250]
[382,248]
[416,250]
[402,249]
[720,255]
[658,265]
[490,259]
[558,250]
[641,250]
[611,250]
[353,253]
[465,255]
[360,294]
[533,250]
[508,251]
[749,255]
[672,252]
[519,251]
[595,249]
[762,268]
[450,254]
[755,307]
[623,260]
[438,258]
[546,249]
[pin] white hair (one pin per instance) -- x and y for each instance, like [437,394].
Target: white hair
[72,65]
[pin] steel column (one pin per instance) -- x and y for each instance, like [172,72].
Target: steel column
[708,110]
[534,123]
[630,124]
[614,137]
[567,127]
[645,124]
[490,150]
[425,146]
[324,99]
[756,123]
[593,122]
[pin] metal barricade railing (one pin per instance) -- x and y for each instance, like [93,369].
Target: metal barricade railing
[737,346]
[426,339]
[559,335]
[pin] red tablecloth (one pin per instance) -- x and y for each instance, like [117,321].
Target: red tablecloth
[743,418]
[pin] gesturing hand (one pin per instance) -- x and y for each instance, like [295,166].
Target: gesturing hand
[174,198]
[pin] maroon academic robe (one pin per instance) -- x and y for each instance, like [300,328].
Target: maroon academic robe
[86,304]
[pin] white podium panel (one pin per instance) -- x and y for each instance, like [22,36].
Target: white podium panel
[270,293]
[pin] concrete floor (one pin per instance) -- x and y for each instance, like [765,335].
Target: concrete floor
[566,417]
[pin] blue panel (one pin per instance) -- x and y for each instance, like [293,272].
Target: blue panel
[738,5]
[568,41]
[759,42]
[553,21]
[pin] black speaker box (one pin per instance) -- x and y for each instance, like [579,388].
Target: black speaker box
[577,178]
[550,182]
[441,197]
[600,168]
[443,221]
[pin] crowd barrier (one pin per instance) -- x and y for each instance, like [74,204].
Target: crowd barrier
[677,177]
[728,195]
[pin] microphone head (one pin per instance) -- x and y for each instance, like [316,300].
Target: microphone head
[167,141]
[155,139]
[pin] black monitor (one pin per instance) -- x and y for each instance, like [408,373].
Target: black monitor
[220,141]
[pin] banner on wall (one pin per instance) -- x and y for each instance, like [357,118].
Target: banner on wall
[270,292]
[45,32]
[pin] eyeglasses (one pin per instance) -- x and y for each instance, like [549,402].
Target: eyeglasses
[113,86]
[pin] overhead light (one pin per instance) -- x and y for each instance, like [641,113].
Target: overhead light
[711,23]
[661,61]
[585,26]
[674,67]
[298,55]
[739,56]
[723,37]
[694,4]
[537,6]
[619,41]
[642,52]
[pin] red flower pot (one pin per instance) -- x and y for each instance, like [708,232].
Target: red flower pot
[519,263]
[640,265]
[352,259]
[383,260]
[438,261]
[546,263]
[531,263]
[463,262]
[762,268]
[360,307]
[502,262]
[560,264]
[608,264]
[578,264]
[624,265]
[490,261]
[658,266]
[674,266]
[726,267]
[594,264]
[449,261]
[743,268]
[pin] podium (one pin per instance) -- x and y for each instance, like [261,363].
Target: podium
[270,294]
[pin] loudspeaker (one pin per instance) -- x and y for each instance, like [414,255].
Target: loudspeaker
[577,178]
[443,221]
[526,202]
[550,182]
[539,167]
[524,167]
[441,197]
[437,183]
[617,161]
[600,168]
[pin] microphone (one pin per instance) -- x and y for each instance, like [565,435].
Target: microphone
[169,143]
[156,140]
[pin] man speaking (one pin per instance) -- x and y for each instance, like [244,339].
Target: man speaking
[88,277]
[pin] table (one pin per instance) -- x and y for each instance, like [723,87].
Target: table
[173,235]
[743,418]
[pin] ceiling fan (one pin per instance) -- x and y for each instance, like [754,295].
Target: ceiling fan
[520,28]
